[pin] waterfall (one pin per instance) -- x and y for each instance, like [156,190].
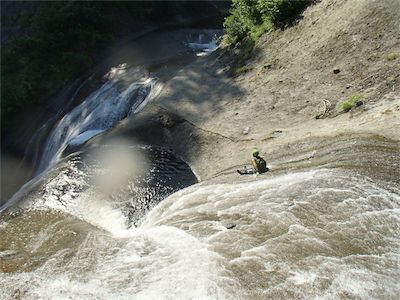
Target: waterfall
[322,224]
[204,43]
[116,99]
[311,234]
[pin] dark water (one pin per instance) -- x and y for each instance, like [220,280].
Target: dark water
[130,179]
[99,102]
[323,224]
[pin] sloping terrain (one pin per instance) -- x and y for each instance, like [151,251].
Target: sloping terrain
[339,49]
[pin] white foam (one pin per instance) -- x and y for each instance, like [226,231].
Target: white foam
[84,136]
[303,278]
[291,228]
[122,95]
[297,234]
[156,263]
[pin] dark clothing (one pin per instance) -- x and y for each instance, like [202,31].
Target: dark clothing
[259,164]
[246,171]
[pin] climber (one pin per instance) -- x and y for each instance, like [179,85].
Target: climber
[259,165]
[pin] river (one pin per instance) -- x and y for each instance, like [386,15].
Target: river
[129,221]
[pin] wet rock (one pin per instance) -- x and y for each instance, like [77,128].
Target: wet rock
[170,120]
[267,66]
[224,70]
[230,226]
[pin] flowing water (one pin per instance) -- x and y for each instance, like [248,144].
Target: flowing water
[125,93]
[127,89]
[323,233]
[125,221]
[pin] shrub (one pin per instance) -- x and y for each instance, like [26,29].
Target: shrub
[256,17]
[318,115]
[246,47]
[240,22]
[353,101]
[64,37]
[250,19]
[281,12]
[392,56]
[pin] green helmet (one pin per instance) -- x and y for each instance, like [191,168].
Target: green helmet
[255,152]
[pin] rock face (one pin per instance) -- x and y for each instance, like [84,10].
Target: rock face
[201,113]
[17,139]
[299,86]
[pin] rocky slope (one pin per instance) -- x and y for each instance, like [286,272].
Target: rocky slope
[339,49]
[22,139]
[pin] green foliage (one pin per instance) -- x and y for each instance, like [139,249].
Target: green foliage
[353,101]
[64,35]
[318,115]
[243,18]
[242,69]
[259,30]
[392,56]
[249,19]
[281,12]
[64,38]
[246,47]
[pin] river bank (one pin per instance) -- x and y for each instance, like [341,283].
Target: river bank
[24,138]
[287,97]
[322,224]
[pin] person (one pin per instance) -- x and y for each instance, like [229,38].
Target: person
[259,164]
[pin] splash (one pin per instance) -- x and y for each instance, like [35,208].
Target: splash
[204,43]
[318,234]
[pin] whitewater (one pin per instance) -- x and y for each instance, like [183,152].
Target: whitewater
[125,220]
[300,235]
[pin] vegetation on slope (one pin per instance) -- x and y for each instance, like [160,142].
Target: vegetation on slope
[249,19]
[62,41]
[354,100]
[64,38]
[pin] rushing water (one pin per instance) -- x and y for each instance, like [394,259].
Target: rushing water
[126,91]
[125,221]
[122,95]
[325,233]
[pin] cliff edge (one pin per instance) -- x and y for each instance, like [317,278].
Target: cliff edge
[293,90]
